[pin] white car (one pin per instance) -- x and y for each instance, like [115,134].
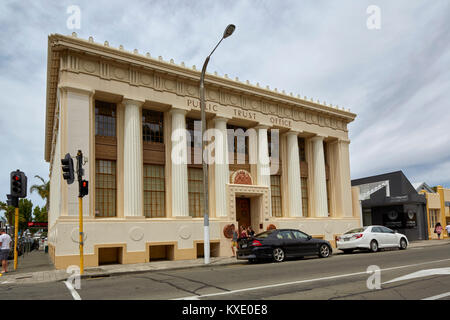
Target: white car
[371,238]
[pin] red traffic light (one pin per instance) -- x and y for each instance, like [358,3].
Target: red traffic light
[16,178]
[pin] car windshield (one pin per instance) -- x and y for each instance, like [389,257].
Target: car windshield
[264,234]
[356,230]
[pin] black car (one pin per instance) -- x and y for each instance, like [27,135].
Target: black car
[278,244]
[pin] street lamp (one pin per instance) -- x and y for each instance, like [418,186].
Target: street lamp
[228,32]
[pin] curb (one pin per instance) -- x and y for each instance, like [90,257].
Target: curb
[119,273]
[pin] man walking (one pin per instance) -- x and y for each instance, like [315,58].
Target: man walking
[5,242]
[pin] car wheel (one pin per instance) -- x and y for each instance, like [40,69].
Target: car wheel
[324,251]
[403,244]
[373,246]
[278,255]
[347,251]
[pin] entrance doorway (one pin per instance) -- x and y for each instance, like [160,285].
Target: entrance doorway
[243,215]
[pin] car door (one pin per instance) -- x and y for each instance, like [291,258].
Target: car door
[390,236]
[287,242]
[378,235]
[304,245]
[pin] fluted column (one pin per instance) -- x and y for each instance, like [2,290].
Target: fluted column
[319,178]
[293,176]
[221,169]
[263,164]
[132,161]
[180,200]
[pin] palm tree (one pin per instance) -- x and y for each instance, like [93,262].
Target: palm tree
[42,189]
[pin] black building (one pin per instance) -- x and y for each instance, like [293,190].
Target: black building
[390,200]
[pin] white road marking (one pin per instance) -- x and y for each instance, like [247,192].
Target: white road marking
[72,290]
[421,274]
[439,296]
[302,281]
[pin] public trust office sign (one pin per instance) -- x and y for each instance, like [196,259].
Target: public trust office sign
[239,113]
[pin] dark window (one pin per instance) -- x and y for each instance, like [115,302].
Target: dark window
[300,235]
[386,230]
[105,188]
[377,229]
[190,127]
[153,126]
[275,193]
[286,235]
[105,119]
[237,137]
[154,191]
[195,186]
[302,149]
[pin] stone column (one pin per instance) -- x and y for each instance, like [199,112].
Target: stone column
[132,160]
[319,178]
[180,199]
[293,176]
[263,162]
[221,169]
[340,172]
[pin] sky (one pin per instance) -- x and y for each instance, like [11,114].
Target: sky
[389,65]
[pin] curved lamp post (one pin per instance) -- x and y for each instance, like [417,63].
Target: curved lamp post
[228,32]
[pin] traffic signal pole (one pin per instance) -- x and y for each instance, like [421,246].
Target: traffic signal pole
[16,231]
[83,190]
[80,209]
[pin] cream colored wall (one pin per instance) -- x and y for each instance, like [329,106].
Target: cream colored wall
[434,201]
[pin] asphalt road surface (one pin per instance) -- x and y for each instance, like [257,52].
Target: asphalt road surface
[425,274]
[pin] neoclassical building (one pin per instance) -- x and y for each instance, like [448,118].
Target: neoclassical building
[120,108]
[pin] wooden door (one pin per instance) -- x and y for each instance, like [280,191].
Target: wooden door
[243,212]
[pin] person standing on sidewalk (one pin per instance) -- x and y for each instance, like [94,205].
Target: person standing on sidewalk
[234,241]
[447,227]
[438,230]
[5,242]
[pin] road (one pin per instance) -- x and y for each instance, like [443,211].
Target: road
[342,276]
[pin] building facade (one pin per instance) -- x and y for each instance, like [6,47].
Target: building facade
[390,200]
[438,208]
[131,114]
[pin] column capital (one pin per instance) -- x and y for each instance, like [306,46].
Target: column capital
[221,118]
[178,111]
[318,138]
[293,132]
[261,126]
[79,90]
[134,102]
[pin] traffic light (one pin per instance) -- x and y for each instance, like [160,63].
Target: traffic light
[84,188]
[18,184]
[67,168]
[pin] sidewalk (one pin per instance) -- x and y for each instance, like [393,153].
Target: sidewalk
[47,273]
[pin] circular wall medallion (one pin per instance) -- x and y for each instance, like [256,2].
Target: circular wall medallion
[234,99]
[146,79]
[169,84]
[119,73]
[185,232]
[75,235]
[192,90]
[212,94]
[271,227]
[89,66]
[228,231]
[136,233]
[393,215]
